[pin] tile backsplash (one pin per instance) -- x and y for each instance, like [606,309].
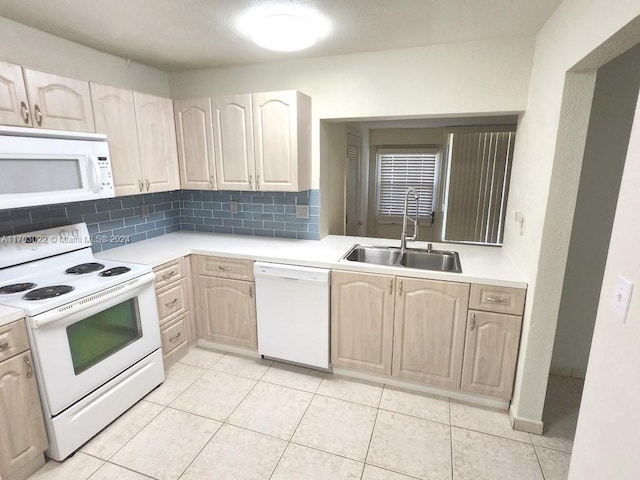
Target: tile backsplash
[114,222]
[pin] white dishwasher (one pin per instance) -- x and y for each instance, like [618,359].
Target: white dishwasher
[292,307]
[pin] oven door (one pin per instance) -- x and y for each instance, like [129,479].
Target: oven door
[80,346]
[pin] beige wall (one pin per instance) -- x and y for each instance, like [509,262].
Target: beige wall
[610,121]
[544,180]
[606,443]
[481,77]
[35,49]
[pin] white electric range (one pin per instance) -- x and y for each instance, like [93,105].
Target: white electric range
[93,329]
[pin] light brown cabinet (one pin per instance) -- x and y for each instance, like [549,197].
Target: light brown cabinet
[429,331]
[14,104]
[32,98]
[233,142]
[493,334]
[23,438]
[142,140]
[115,116]
[175,313]
[261,141]
[157,141]
[224,295]
[362,308]
[195,143]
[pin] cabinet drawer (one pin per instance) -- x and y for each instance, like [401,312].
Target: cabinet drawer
[497,299]
[13,339]
[174,335]
[170,272]
[172,300]
[225,267]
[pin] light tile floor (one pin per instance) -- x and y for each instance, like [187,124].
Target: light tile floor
[223,416]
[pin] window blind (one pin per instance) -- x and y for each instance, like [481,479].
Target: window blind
[477,180]
[399,169]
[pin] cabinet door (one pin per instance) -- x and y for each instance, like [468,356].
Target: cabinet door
[157,140]
[14,105]
[22,432]
[275,136]
[233,142]
[58,102]
[115,116]
[195,143]
[429,331]
[226,311]
[490,353]
[362,321]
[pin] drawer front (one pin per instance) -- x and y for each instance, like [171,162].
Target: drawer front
[13,339]
[172,300]
[173,335]
[170,272]
[497,299]
[225,267]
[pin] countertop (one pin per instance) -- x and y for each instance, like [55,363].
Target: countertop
[485,265]
[9,314]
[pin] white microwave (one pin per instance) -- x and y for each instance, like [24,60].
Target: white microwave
[40,167]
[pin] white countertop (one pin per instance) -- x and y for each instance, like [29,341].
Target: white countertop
[9,314]
[487,265]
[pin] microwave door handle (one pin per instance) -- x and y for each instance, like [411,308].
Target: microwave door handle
[95,174]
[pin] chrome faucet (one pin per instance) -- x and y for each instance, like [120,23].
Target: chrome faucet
[405,217]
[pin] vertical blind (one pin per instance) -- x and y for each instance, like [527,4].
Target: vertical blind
[477,179]
[399,169]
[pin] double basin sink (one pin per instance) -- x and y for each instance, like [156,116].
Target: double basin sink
[437,260]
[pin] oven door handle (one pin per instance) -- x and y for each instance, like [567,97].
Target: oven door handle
[122,290]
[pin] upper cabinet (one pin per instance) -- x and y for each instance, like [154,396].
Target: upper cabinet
[233,137]
[157,140]
[261,141]
[195,143]
[116,117]
[142,142]
[282,139]
[32,98]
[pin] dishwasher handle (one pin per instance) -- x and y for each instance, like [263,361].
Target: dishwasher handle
[290,272]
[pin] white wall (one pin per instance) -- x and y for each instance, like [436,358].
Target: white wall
[450,79]
[606,442]
[545,173]
[35,49]
[613,106]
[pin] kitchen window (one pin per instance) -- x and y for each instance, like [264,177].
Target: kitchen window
[398,169]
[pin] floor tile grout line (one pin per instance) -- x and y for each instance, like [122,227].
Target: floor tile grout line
[373,429]
[491,435]
[539,463]
[200,451]
[127,468]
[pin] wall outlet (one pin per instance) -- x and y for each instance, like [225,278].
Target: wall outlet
[233,206]
[621,298]
[302,212]
[144,210]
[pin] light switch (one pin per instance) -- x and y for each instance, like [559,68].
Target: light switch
[621,297]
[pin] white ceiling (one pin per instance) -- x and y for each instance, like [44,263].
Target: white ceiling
[187,34]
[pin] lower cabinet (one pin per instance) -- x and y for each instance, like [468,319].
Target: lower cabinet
[362,307]
[225,300]
[23,437]
[491,351]
[429,331]
[173,298]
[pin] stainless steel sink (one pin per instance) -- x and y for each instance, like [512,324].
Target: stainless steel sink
[437,260]
[376,255]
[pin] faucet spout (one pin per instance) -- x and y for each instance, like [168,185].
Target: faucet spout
[405,217]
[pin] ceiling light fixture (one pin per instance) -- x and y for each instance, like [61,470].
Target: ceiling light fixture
[283,29]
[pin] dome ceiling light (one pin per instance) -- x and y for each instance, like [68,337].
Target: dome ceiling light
[283,29]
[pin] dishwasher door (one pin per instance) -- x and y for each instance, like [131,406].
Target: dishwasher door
[292,307]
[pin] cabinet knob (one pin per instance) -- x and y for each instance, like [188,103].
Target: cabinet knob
[4,346]
[257,182]
[251,291]
[473,321]
[25,112]
[171,303]
[140,185]
[495,300]
[211,181]
[38,115]
[390,287]
[168,275]
[175,338]
[251,182]
[224,269]
[400,290]
[146,179]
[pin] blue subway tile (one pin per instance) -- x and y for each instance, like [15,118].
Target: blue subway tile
[232,222]
[212,205]
[204,228]
[81,209]
[263,216]
[97,217]
[41,215]
[274,208]
[222,229]
[284,200]
[193,205]
[242,231]
[155,233]
[145,227]
[307,236]
[194,220]
[104,226]
[116,214]
[134,221]
[295,226]
[283,234]
[172,228]
[262,200]
[274,225]
[203,213]
[259,232]
[187,227]
[214,221]
[252,224]
[252,207]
